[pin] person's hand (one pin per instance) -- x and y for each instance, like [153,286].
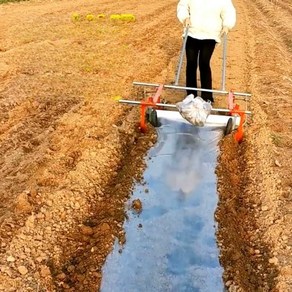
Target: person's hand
[224,30]
[187,22]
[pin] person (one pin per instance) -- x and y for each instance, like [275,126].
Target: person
[208,21]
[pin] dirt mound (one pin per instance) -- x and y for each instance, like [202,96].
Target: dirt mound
[246,258]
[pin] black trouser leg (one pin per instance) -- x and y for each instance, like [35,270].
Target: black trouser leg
[192,52]
[206,51]
[202,49]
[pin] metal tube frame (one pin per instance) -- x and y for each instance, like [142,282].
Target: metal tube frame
[181,56]
[165,105]
[223,92]
[223,81]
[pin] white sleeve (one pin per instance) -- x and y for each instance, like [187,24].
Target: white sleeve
[183,10]
[228,14]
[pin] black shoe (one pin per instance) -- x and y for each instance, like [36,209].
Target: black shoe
[208,97]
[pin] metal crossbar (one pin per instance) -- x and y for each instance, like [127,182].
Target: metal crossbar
[223,92]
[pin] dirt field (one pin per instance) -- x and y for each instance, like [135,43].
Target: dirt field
[69,152]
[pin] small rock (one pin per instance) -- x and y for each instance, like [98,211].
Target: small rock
[33,192]
[86,230]
[23,205]
[104,227]
[6,270]
[273,260]
[63,215]
[93,249]
[38,237]
[265,208]
[65,286]
[71,268]
[48,229]
[43,210]
[39,259]
[40,216]
[10,259]
[228,283]
[137,205]
[287,271]
[22,270]
[22,256]
[122,240]
[277,163]
[45,271]
[61,276]
[48,215]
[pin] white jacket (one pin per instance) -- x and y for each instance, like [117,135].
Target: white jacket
[207,17]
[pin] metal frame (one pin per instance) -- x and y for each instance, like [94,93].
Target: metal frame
[154,101]
[223,92]
[172,106]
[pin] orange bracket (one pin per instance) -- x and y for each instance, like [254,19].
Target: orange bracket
[239,133]
[234,110]
[150,101]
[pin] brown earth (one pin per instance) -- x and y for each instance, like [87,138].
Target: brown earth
[70,153]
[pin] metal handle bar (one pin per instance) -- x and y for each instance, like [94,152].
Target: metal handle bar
[223,81]
[181,56]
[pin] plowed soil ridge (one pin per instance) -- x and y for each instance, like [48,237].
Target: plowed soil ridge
[254,183]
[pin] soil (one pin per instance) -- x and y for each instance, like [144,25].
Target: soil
[69,153]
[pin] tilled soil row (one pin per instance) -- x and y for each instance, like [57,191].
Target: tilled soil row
[254,184]
[65,138]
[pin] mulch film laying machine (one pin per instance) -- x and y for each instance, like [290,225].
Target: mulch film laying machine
[231,118]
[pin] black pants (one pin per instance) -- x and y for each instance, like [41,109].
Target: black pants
[199,50]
